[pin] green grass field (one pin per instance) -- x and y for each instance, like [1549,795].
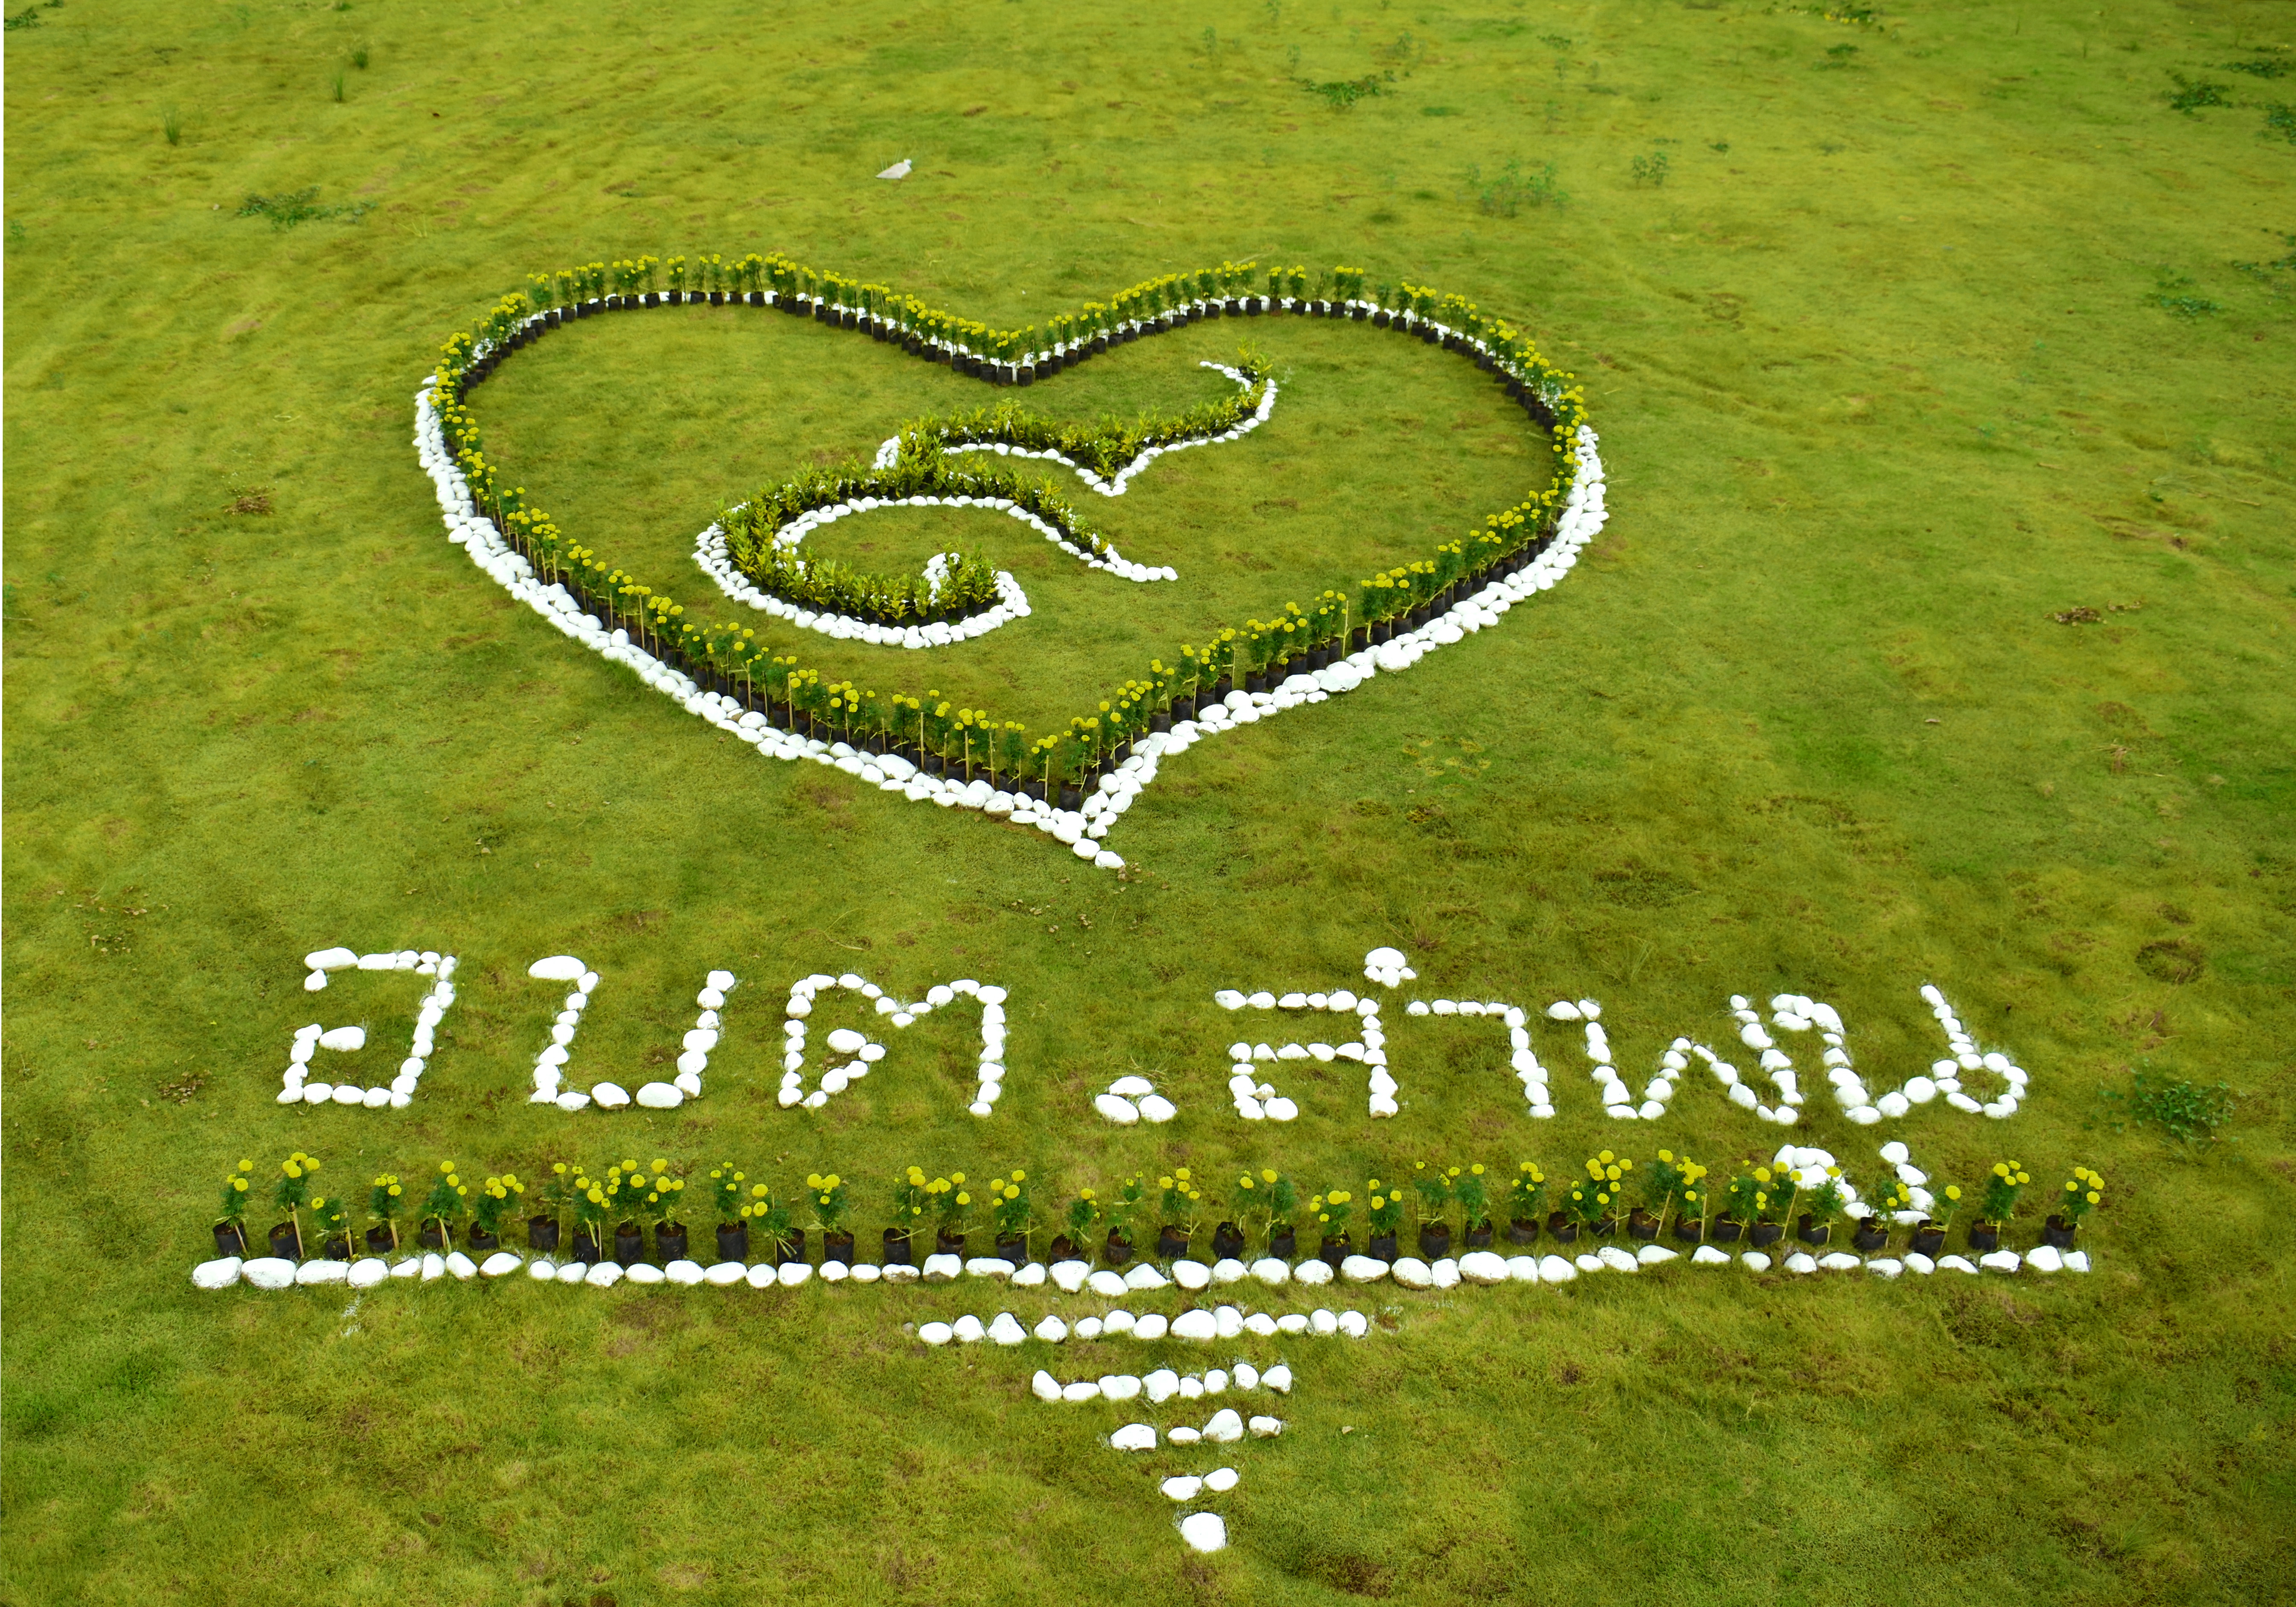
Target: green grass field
[1941,631]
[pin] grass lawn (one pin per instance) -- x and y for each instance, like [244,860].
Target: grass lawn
[1941,631]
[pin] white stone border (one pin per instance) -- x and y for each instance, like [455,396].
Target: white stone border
[864,1054]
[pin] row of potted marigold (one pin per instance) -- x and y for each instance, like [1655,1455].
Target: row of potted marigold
[611,1213]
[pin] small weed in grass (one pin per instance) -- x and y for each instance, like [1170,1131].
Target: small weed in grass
[1511,189]
[2186,1112]
[2281,120]
[1341,94]
[29,17]
[2263,67]
[2265,272]
[1438,111]
[257,500]
[339,87]
[171,126]
[1837,58]
[296,206]
[359,58]
[2188,96]
[2168,294]
[1651,170]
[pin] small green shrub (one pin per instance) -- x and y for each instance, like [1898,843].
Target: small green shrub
[2189,96]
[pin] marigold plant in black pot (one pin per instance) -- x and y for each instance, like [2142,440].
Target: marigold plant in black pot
[334,1218]
[1383,1219]
[950,1201]
[291,1192]
[1010,1217]
[2084,1192]
[826,1192]
[1473,1197]
[910,1200]
[2002,1186]
[733,1196]
[1182,1205]
[444,1211]
[1227,1243]
[498,1200]
[1431,1187]
[1825,1202]
[231,1220]
[1591,1199]
[1331,1210]
[1120,1212]
[1526,1204]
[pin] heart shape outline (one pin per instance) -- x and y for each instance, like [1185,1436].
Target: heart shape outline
[504,546]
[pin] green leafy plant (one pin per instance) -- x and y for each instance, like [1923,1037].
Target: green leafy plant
[171,126]
[1668,1181]
[912,1198]
[1651,170]
[2190,95]
[1122,1209]
[591,1205]
[1747,1195]
[1340,94]
[332,1213]
[1596,1195]
[2188,1111]
[1823,1204]
[728,1194]
[293,207]
[1514,187]
[1331,1210]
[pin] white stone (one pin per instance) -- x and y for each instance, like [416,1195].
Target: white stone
[725,1275]
[989,1266]
[1030,1277]
[1191,1274]
[644,1272]
[1706,1255]
[1083,1390]
[1653,1255]
[1225,1427]
[1999,1260]
[936,1333]
[1052,1330]
[1123,1112]
[942,1268]
[323,1272]
[1266,1427]
[1371,1269]
[343,1038]
[1315,1272]
[1354,1325]
[1555,1269]
[558,968]
[2077,1261]
[1145,1277]
[1955,1264]
[1756,1261]
[1204,1531]
[1885,1267]
[1198,1325]
[500,1264]
[1134,1436]
[1840,1261]
[1107,1285]
[793,1274]
[1153,1326]
[1119,1386]
[219,1274]
[659,1096]
[1267,1269]
[1043,1386]
[1917,1262]
[605,1275]
[1070,1275]
[1006,1330]
[1483,1267]
[610,1096]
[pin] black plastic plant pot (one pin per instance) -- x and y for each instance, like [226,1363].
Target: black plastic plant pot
[1382,1247]
[338,1250]
[1928,1240]
[1728,1229]
[542,1233]
[230,1239]
[1607,1228]
[1183,708]
[1641,1225]
[2057,1232]
[479,1239]
[1222,687]
[586,1247]
[1869,1238]
[1063,1248]
[1335,1249]
[732,1240]
[791,1254]
[1565,1231]
[1435,1242]
[1689,1229]
[1171,1243]
[837,1247]
[1520,1231]
[1985,1237]
[1284,1243]
[897,1252]
[1255,683]
[1761,1234]
[629,1245]
[1479,1237]
[378,1240]
[1118,1249]
[669,1242]
[286,1244]
[1811,1231]
[1071,798]
[1227,1243]
[1015,1250]
[431,1236]
[948,1244]
[1159,722]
